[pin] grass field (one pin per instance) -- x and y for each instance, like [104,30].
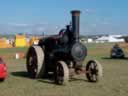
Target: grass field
[114,82]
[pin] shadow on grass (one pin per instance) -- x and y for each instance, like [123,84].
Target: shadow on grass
[23,74]
[77,78]
[49,79]
[109,58]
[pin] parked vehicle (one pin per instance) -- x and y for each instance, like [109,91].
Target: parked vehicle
[117,52]
[3,70]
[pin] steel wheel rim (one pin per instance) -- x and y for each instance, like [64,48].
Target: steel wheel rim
[93,71]
[32,64]
[60,74]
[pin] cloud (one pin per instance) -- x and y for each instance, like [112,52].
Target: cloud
[98,26]
[103,26]
[39,28]
[18,25]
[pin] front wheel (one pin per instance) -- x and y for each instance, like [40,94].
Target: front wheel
[61,73]
[93,71]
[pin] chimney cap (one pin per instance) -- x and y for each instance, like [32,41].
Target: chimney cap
[75,12]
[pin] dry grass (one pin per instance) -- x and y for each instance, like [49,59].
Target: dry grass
[114,82]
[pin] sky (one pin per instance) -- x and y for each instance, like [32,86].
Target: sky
[50,16]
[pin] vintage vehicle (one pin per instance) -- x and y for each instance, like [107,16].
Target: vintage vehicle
[117,52]
[3,71]
[62,56]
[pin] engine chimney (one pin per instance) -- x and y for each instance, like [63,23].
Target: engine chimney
[75,24]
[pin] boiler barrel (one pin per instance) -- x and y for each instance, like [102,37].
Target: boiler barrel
[75,24]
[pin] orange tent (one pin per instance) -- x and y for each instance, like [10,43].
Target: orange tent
[3,43]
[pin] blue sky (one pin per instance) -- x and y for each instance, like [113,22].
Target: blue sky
[49,16]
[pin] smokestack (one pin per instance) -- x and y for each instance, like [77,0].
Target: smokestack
[75,24]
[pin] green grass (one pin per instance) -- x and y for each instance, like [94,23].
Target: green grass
[114,82]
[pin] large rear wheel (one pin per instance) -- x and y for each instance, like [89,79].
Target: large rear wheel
[35,62]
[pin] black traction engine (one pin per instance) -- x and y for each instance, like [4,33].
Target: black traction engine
[62,56]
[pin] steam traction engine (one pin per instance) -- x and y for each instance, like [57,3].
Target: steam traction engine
[62,55]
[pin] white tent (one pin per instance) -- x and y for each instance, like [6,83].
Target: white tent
[110,38]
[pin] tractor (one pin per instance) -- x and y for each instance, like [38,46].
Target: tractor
[62,56]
